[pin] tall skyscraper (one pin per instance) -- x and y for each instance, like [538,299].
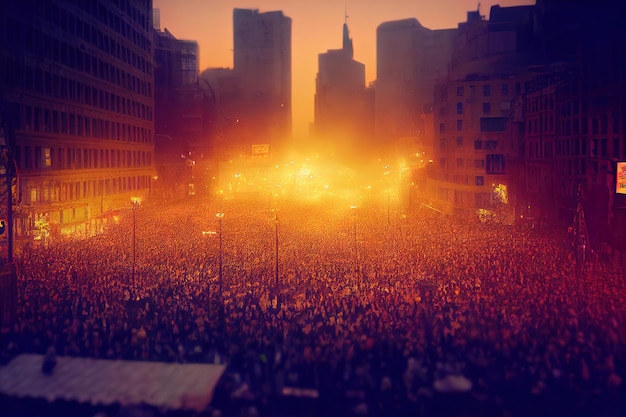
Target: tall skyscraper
[343,111]
[180,107]
[409,59]
[76,97]
[262,63]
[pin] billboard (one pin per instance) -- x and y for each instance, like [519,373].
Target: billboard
[260,150]
[620,185]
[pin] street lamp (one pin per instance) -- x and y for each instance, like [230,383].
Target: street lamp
[386,174]
[134,205]
[388,222]
[356,255]
[220,216]
[276,289]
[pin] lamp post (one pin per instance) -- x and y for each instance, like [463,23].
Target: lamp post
[276,289]
[220,216]
[386,175]
[356,254]
[134,205]
[388,222]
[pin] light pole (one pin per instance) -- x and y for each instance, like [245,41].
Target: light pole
[134,205]
[386,175]
[220,216]
[356,254]
[388,222]
[276,289]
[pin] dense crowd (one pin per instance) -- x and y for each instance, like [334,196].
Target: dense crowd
[416,314]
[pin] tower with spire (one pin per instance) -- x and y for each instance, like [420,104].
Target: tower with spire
[343,106]
[347,40]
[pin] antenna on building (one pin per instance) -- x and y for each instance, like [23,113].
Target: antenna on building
[347,42]
[345,15]
[478,8]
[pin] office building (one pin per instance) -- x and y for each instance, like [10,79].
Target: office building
[262,65]
[77,98]
[182,115]
[409,59]
[478,127]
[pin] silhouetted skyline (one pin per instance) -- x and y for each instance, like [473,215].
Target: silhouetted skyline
[317,27]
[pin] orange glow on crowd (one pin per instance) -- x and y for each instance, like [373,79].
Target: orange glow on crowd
[302,262]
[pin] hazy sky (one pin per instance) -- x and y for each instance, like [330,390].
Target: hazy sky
[316,27]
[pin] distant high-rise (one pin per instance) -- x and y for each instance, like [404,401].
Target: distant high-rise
[76,95]
[409,58]
[180,107]
[343,110]
[262,64]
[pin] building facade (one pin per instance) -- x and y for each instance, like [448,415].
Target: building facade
[409,58]
[77,95]
[538,193]
[182,115]
[477,120]
[262,65]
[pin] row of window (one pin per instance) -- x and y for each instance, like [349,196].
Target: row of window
[479,180]
[79,58]
[477,163]
[599,124]
[542,124]
[504,109]
[591,147]
[576,166]
[478,144]
[535,104]
[44,120]
[18,75]
[39,157]
[533,148]
[487,124]
[58,191]
[464,198]
[63,18]
[486,90]
[580,166]
[568,127]
[598,148]
[493,164]
[571,126]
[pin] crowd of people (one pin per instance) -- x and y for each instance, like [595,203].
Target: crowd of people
[365,313]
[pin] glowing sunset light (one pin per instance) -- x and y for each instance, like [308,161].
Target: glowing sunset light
[316,28]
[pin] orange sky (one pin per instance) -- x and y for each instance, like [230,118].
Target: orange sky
[316,27]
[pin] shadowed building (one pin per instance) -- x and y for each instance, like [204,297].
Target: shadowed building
[76,93]
[409,58]
[478,129]
[182,114]
[262,66]
[343,105]
[252,101]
